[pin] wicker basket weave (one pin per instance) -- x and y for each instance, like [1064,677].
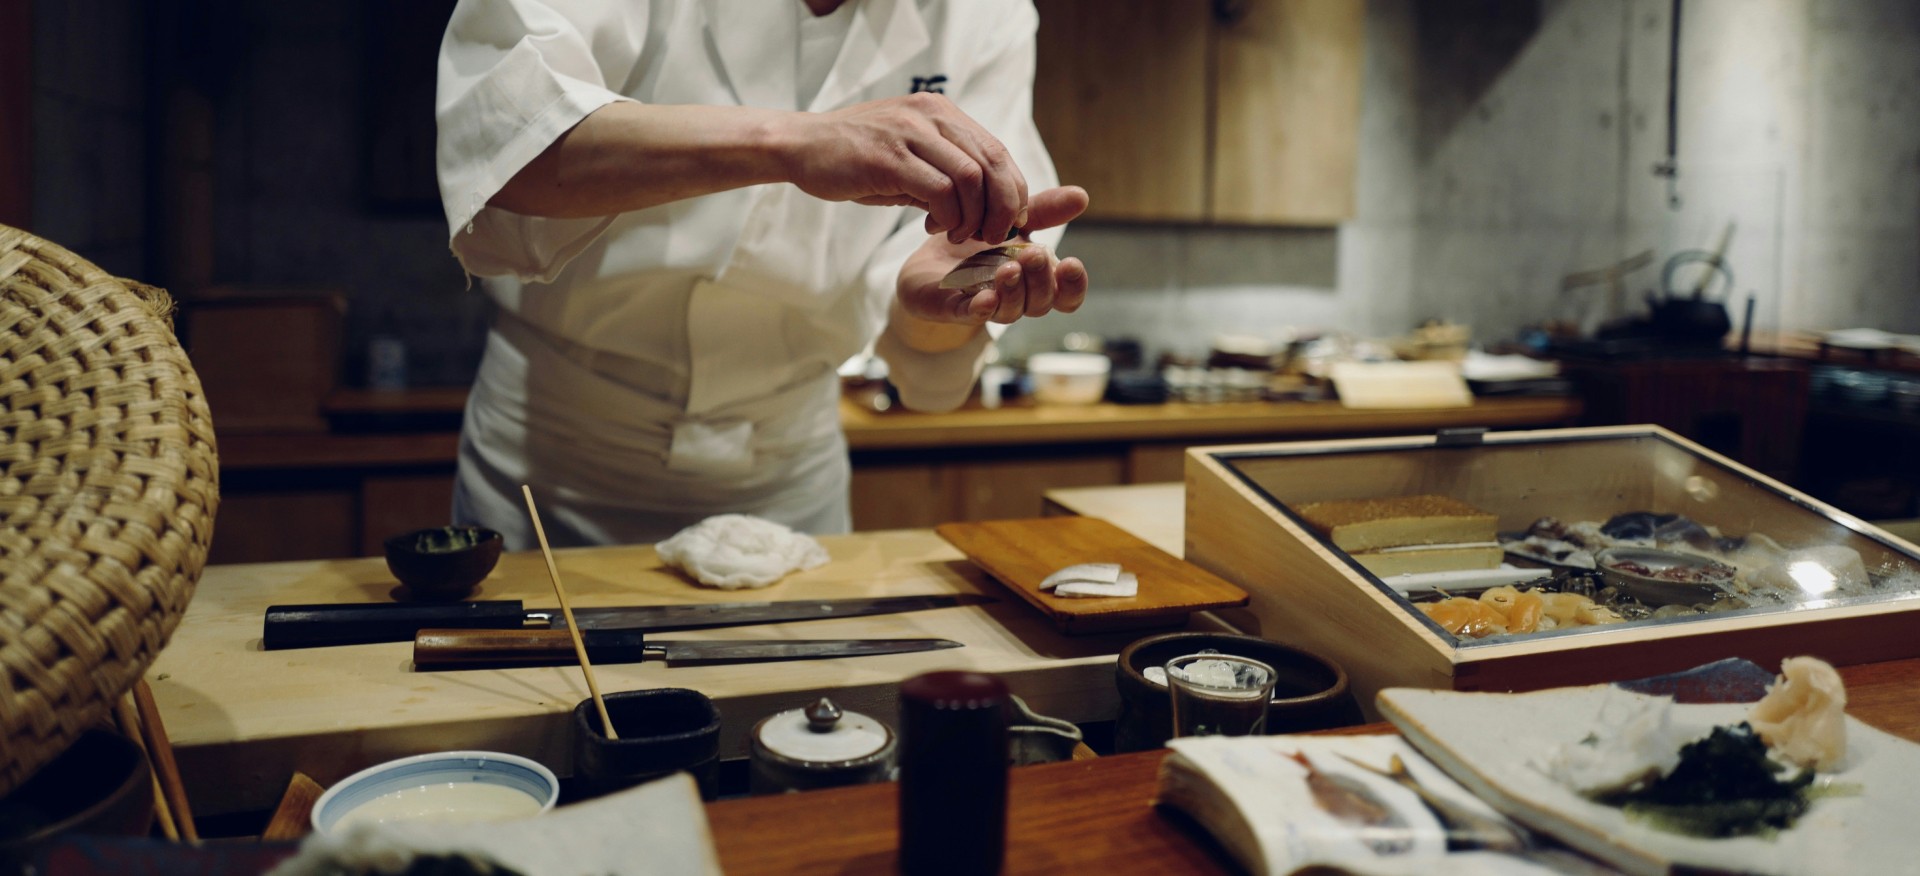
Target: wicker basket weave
[108,484]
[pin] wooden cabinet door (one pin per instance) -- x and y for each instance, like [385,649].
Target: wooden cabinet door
[901,495]
[278,525]
[1120,96]
[393,504]
[1286,81]
[1015,487]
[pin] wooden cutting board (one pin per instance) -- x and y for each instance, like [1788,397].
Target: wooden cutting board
[1022,553]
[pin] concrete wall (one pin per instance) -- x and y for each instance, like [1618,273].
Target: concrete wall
[1507,143]
[1504,144]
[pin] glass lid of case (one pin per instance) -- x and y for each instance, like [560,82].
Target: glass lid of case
[1521,538]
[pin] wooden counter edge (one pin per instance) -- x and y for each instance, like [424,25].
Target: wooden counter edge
[1111,423]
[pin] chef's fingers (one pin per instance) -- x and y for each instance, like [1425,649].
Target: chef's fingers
[896,201]
[1069,285]
[931,186]
[964,179]
[1010,282]
[975,308]
[1004,188]
[1056,206]
[1036,273]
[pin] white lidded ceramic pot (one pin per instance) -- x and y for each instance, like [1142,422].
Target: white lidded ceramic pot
[819,746]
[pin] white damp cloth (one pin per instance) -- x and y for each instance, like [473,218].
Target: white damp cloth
[738,551]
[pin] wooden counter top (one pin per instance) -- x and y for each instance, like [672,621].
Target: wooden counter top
[244,719]
[1062,424]
[1092,816]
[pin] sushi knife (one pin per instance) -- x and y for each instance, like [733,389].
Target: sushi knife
[473,649]
[314,626]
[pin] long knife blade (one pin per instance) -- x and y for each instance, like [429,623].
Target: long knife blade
[456,649]
[693,652]
[706,615]
[313,626]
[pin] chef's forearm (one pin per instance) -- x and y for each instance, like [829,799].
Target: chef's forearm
[631,156]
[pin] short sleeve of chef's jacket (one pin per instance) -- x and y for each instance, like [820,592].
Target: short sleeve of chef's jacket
[514,75]
[995,90]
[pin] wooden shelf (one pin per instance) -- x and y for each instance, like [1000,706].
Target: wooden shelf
[1111,423]
[417,400]
[900,430]
[309,450]
[1808,347]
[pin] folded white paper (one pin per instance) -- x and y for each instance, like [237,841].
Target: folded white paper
[1127,585]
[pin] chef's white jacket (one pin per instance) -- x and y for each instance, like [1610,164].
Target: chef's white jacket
[649,369]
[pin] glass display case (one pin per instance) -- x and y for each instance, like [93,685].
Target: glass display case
[1514,561]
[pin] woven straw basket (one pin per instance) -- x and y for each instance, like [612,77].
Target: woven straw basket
[108,484]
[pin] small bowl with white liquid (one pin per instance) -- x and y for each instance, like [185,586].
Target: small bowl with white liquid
[450,786]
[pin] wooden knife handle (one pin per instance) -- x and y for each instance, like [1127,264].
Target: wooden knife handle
[447,649]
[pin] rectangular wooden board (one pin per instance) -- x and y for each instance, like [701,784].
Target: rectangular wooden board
[1022,553]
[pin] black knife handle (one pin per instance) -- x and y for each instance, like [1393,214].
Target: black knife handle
[315,626]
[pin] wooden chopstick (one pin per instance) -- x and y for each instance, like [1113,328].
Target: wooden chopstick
[165,769]
[566,610]
[128,718]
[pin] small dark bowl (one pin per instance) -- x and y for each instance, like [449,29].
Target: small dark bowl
[662,731]
[100,785]
[444,563]
[1310,694]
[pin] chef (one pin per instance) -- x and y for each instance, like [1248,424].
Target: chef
[691,212]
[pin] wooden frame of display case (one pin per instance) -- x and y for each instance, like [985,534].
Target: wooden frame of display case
[1307,592]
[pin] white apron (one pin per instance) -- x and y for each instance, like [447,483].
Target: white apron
[658,367]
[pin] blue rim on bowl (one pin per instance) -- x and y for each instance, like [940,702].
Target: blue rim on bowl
[481,767]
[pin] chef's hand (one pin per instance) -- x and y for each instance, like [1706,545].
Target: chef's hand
[1033,284]
[919,150]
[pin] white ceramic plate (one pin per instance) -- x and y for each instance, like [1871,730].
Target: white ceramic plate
[1488,742]
[1860,338]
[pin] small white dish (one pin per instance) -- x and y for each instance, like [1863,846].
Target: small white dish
[1860,339]
[454,786]
[1068,378]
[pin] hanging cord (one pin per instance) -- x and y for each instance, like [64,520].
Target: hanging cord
[1670,167]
